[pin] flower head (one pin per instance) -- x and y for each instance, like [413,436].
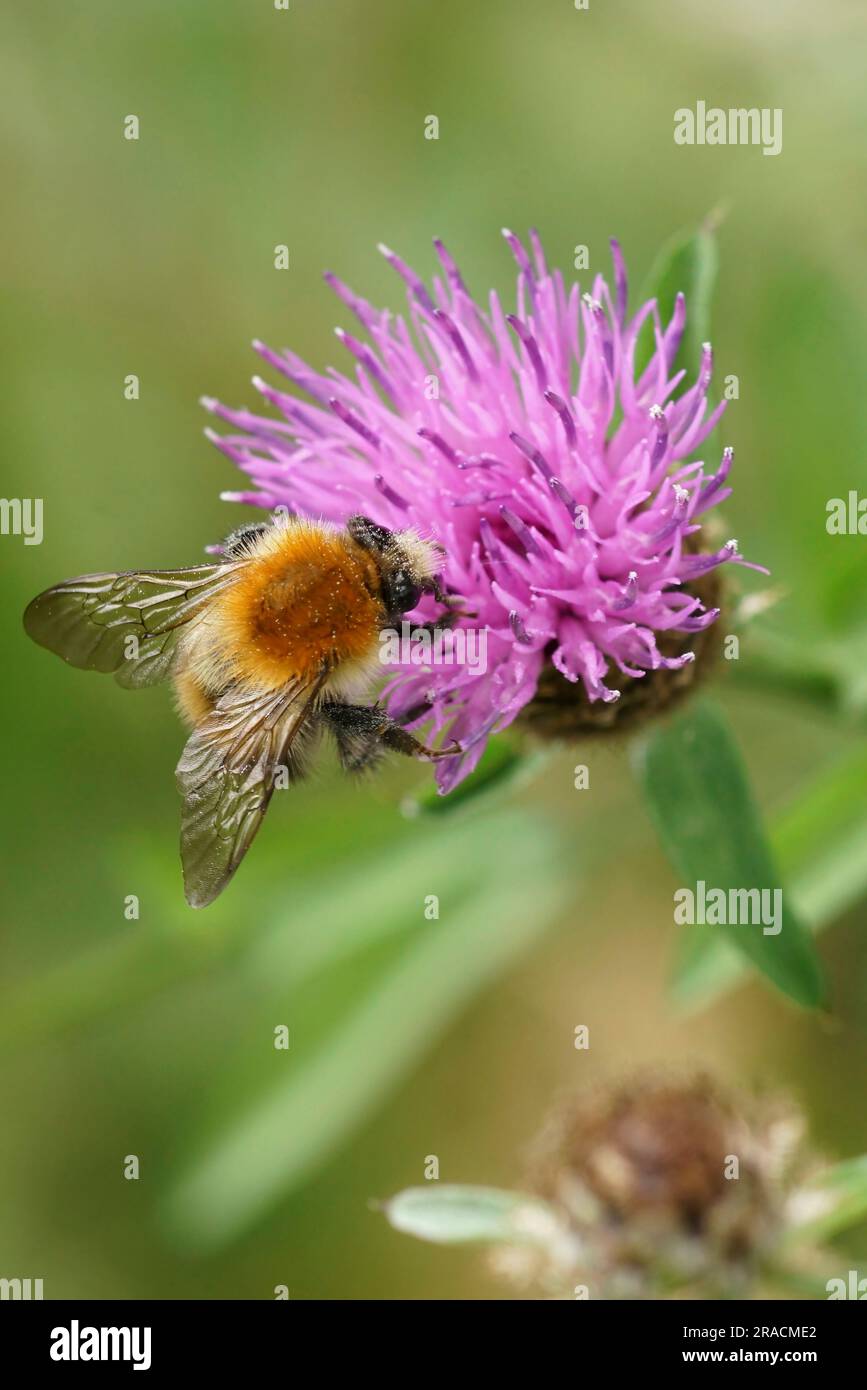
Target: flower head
[664,1182]
[558,477]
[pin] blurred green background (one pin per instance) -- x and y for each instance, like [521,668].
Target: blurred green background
[409,1038]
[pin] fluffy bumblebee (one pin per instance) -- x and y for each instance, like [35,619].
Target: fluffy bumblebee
[266,648]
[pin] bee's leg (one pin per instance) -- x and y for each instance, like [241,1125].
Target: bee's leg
[356,732]
[451,602]
[435,589]
[365,732]
[446,620]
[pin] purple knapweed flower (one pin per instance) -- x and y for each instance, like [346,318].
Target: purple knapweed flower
[551,471]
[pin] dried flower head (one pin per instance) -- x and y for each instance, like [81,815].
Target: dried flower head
[559,477]
[664,1184]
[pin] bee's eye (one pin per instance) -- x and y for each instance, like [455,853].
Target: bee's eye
[402,592]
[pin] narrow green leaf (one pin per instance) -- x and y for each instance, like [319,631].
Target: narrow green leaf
[700,800]
[779,665]
[821,840]
[458,1215]
[269,1140]
[835,1200]
[351,907]
[364,903]
[820,843]
[686,265]
[850,657]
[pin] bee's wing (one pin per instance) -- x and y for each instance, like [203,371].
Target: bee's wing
[126,623]
[226,776]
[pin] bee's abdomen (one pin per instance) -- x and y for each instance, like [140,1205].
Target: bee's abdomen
[307,600]
[193,700]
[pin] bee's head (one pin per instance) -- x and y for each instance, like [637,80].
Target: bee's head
[408,564]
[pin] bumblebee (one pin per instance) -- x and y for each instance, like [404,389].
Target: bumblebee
[266,648]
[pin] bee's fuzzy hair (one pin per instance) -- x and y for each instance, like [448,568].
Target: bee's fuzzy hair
[425,558]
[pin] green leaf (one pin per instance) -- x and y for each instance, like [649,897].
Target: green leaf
[504,766]
[780,665]
[363,904]
[686,265]
[461,1215]
[272,1133]
[850,657]
[834,1200]
[700,800]
[821,840]
[829,675]
[820,843]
